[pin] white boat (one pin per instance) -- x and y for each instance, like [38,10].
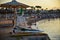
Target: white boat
[22,26]
[26,33]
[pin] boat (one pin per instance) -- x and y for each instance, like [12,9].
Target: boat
[29,34]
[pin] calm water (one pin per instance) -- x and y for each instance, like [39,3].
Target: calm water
[52,28]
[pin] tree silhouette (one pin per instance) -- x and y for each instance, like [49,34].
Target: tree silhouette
[38,6]
[32,7]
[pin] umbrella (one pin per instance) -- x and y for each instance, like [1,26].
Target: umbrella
[14,4]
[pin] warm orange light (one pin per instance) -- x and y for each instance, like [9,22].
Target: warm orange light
[44,3]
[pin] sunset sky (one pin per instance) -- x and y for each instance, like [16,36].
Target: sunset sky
[44,3]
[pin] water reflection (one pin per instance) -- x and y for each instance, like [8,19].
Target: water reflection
[51,27]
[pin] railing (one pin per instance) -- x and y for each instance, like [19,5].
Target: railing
[6,23]
[6,16]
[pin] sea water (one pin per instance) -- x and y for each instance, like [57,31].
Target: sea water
[51,27]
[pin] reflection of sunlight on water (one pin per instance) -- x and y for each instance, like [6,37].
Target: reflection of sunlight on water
[51,27]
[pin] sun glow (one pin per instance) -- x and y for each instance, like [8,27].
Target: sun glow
[44,3]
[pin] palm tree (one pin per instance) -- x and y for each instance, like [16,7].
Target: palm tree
[38,7]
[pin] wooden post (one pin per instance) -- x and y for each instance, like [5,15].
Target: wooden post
[6,13]
[15,15]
